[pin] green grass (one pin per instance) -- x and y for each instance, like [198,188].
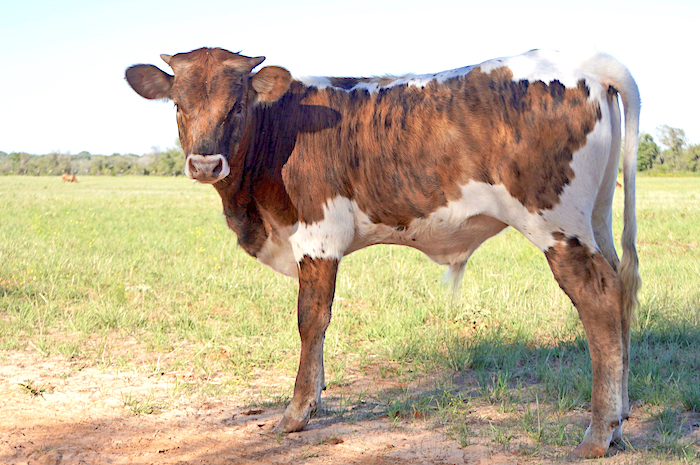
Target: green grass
[142,273]
[140,406]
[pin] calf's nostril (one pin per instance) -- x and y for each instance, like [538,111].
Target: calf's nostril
[218,168]
[192,167]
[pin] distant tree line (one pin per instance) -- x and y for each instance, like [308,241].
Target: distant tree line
[674,155]
[170,162]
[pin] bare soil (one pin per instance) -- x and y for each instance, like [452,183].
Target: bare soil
[58,411]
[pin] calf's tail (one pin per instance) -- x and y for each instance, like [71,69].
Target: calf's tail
[614,74]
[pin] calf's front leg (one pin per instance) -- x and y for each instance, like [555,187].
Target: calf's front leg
[316,289]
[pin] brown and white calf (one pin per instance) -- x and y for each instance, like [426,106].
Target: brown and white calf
[311,169]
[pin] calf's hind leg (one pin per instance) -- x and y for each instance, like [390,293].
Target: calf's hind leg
[595,289]
[316,290]
[604,239]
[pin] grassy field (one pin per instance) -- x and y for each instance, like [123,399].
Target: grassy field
[141,273]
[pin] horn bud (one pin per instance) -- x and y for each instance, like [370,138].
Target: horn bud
[253,62]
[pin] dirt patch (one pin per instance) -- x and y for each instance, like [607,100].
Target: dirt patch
[57,411]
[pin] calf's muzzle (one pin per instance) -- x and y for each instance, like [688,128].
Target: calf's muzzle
[207,168]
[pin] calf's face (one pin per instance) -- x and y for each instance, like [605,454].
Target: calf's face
[213,91]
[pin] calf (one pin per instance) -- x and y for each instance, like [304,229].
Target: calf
[311,169]
[69,177]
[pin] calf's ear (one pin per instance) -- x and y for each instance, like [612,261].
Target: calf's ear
[149,82]
[270,83]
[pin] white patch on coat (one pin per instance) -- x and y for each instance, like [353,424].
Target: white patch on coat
[549,65]
[319,82]
[446,238]
[328,238]
[423,80]
[375,84]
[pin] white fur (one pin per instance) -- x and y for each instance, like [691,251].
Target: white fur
[538,65]
[374,85]
[320,82]
[544,65]
[447,238]
[329,238]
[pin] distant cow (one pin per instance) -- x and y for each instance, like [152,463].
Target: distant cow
[312,169]
[69,177]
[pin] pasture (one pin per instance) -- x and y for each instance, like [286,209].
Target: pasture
[138,279]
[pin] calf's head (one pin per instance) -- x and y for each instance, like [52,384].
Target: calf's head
[214,92]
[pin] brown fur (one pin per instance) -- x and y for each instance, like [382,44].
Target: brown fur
[69,177]
[424,144]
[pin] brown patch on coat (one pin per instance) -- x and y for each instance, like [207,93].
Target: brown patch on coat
[580,271]
[558,236]
[404,151]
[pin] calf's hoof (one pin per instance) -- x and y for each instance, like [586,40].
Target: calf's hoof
[296,418]
[290,425]
[586,450]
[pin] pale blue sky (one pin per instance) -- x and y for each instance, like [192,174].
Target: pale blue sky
[62,62]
